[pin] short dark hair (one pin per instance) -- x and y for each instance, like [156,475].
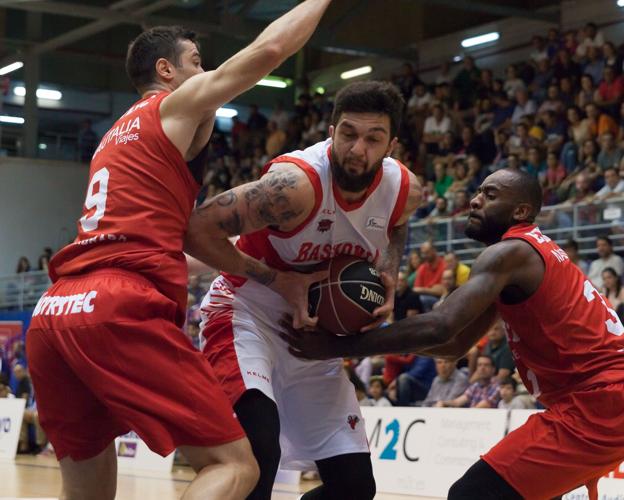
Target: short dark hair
[571,244]
[509,381]
[528,189]
[371,97]
[606,239]
[151,45]
[610,168]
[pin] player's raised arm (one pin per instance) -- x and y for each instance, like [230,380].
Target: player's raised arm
[282,198]
[469,304]
[201,95]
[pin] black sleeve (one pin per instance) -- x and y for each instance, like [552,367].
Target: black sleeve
[413,302]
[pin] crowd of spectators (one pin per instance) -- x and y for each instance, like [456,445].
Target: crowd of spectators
[559,115]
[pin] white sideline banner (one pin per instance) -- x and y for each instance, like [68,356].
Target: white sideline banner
[610,487]
[11,414]
[423,451]
[133,454]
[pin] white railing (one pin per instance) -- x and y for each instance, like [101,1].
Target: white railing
[22,291]
[583,222]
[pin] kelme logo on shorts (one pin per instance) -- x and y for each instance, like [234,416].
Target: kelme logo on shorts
[57,305]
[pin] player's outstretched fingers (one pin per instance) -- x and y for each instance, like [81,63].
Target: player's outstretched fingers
[302,318]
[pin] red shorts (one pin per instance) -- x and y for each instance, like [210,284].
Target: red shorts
[573,443]
[106,357]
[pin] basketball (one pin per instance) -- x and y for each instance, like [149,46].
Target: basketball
[344,302]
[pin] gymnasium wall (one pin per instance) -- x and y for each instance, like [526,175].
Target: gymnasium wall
[40,201]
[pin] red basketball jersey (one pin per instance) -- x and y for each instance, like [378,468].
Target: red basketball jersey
[138,203]
[565,337]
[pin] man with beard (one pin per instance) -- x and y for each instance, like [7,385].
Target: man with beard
[340,196]
[566,341]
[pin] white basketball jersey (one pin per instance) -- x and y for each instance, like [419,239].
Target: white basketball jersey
[335,226]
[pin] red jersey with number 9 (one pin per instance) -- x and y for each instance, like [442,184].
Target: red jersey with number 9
[565,337]
[138,203]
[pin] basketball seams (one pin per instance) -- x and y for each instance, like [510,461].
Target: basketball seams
[331,301]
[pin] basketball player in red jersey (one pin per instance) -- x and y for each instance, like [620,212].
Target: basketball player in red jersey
[344,195]
[565,338]
[105,348]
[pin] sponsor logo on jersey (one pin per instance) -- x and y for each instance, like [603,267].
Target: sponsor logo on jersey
[324,225]
[57,305]
[315,252]
[377,223]
[371,296]
[353,420]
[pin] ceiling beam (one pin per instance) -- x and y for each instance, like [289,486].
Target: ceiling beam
[550,14]
[245,30]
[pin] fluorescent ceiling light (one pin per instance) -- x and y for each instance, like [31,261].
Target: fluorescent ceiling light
[457,58]
[478,40]
[43,146]
[620,3]
[53,95]
[226,113]
[275,83]
[11,67]
[11,119]
[320,90]
[364,70]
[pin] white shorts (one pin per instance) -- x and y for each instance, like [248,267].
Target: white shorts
[319,413]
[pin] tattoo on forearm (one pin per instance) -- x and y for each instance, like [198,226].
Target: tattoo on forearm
[223,200]
[392,256]
[260,273]
[268,200]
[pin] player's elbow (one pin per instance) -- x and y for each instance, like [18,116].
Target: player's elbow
[272,53]
[442,329]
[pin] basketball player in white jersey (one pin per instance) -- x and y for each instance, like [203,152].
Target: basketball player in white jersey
[340,196]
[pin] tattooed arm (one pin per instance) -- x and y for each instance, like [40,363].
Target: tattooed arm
[283,198]
[391,259]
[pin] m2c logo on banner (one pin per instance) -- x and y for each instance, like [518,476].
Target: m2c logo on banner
[423,451]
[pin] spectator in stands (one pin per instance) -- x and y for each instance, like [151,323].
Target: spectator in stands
[413,263]
[539,52]
[498,349]
[414,384]
[581,191]
[406,301]
[461,203]
[449,283]
[394,365]
[376,390]
[23,387]
[565,66]
[481,394]
[554,130]
[405,80]
[23,265]
[87,141]
[591,37]
[462,271]
[449,383]
[587,93]
[5,392]
[440,209]
[553,177]
[466,83]
[552,102]
[534,164]
[429,278]
[436,126]
[508,399]
[443,180]
[524,106]
[612,290]
[614,186]
[606,258]
[445,74]
[512,82]
[599,123]
[572,249]
[275,141]
[610,91]
[609,155]
[594,64]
